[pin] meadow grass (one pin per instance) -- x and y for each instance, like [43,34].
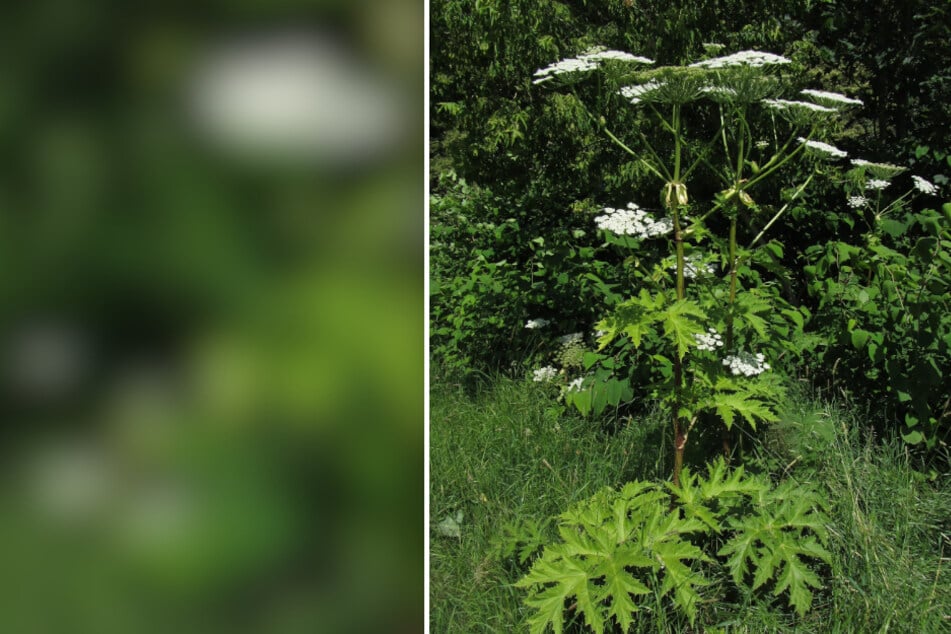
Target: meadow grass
[503,453]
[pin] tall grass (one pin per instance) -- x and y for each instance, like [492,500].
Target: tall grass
[502,454]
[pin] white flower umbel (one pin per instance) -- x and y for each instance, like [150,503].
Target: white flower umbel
[825,148]
[711,340]
[857,202]
[544,375]
[620,56]
[569,65]
[719,92]
[746,364]
[536,323]
[924,186]
[876,183]
[575,337]
[762,145]
[694,266]
[633,221]
[830,98]
[743,58]
[638,92]
[785,104]
[883,171]
[587,61]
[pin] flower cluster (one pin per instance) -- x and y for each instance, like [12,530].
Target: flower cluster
[571,351]
[544,375]
[825,148]
[635,93]
[711,340]
[883,171]
[596,55]
[719,91]
[694,266]
[876,183]
[567,340]
[536,323]
[569,65]
[589,60]
[633,221]
[857,202]
[743,58]
[924,186]
[784,104]
[830,97]
[746,364]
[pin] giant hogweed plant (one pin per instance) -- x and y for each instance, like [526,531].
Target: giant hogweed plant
[701,315]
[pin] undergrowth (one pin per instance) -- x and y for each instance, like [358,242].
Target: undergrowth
[505,464]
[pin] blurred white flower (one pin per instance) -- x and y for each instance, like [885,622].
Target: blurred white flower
[833,97]
[637,92]
[882,171]
[694,266]
[876,183]
[587,61]
[783,104]
[575,337]
[924,186]
[825,148]
[856,202]
[294,96]
[746,364]
[621,56]
[569,65]
[544,375]
[724,92]
[742,58]
[536,323]
[633,221]
[711,340]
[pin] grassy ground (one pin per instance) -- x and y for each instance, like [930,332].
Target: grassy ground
[502,454]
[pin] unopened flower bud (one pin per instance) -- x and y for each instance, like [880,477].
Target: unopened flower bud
[675,194]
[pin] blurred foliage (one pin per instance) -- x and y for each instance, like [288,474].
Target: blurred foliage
[212,357]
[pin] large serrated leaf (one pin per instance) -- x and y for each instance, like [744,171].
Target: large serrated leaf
[728,404]
[741,550]
[682,323]
[549,605]
[620,585]
[570,579]
[797,579]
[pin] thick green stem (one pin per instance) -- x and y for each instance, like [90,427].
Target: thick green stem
[724,430]
[733,266]
[673,202]
[680,435]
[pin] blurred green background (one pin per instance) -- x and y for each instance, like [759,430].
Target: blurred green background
[211,316]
